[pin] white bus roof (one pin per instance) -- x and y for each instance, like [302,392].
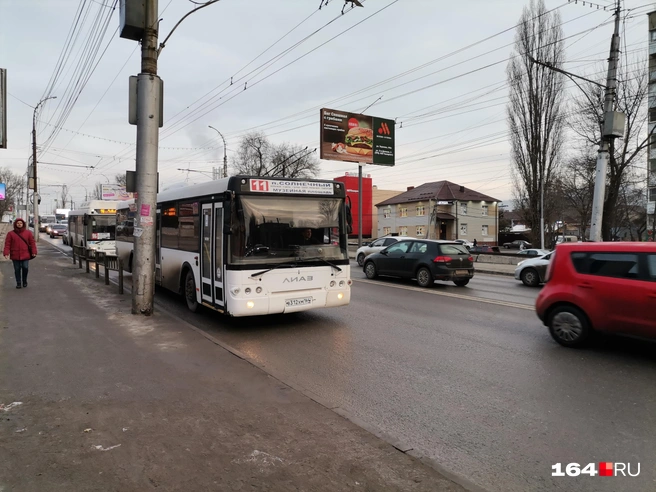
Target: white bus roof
[94,205]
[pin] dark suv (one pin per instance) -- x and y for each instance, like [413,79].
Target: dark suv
[424,259]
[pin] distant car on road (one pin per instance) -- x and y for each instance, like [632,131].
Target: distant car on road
[484,249]
[599,287]
[426,260]
[533,252]
[376,246]
[58,230]
[465,243]
[517,244]
[532,272]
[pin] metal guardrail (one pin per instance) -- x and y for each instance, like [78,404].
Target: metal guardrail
[109,262]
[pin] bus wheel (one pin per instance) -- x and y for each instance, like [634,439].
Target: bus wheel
[190,292]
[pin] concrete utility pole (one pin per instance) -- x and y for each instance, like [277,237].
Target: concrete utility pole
[34,161]
[225,153]
[603,156]
[148,108]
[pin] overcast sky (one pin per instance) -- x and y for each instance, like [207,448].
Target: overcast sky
[413,53]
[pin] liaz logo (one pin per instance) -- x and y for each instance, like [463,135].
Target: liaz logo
[291,280]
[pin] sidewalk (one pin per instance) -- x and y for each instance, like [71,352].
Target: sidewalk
[93,398]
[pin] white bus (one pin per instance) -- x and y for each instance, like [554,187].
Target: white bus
[247,246]
[93,226]
[61,214]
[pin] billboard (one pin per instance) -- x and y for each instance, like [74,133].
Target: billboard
[115,192]
[352,137]
[3,191]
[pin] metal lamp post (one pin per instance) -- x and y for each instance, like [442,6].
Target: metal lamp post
[34,162]
[225,153]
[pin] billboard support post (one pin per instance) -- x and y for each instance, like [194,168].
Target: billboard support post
[359,206]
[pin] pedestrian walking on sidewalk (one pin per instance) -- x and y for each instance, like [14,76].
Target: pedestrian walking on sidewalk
[20,247]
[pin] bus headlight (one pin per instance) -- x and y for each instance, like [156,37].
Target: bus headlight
[250,304]
[258,290]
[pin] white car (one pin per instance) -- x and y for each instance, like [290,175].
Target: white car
[376,246]
[465,243]
[533,271]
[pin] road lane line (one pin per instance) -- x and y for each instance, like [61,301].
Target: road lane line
[516,305]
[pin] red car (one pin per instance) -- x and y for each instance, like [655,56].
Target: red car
[599,287]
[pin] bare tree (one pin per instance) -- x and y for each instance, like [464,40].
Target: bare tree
[256,156]
[576,181]
[588,110]
[14,188]
[120,179]
[535,109]
[253,154]
[64,196]
[97,192]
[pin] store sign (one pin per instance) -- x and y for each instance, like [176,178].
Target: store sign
[353,137]
[291,187]
[444,202]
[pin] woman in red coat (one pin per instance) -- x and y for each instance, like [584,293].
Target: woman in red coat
[20,247]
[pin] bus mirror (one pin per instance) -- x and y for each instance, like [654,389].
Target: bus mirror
[227,196]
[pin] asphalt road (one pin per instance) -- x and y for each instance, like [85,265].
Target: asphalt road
[467,376]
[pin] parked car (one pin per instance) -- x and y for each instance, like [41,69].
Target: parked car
[599,287]
[464,242]
[517,244]
[484,249]
[376,246]
[58,230]
[426,260]
[533,252]
[532,272]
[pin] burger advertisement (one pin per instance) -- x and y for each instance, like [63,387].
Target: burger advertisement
[351,137]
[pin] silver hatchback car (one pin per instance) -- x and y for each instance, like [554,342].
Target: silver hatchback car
[376,246]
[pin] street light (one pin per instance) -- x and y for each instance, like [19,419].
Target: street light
[225,154]
[34,162]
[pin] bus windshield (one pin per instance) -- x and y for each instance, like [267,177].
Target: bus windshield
[103,227]
[268,229]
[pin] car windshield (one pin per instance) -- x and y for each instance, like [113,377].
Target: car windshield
[268,229]
[59,227]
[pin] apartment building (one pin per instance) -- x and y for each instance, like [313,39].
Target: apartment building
[441,210]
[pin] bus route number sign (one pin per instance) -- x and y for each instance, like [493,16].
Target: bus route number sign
[291,187]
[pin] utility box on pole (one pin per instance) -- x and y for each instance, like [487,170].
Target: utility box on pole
[133,102]
[132,19]
[614,123]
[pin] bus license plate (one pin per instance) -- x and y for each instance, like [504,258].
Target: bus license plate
[462,272]
[301,301]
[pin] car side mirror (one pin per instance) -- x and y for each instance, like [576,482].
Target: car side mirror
[384,252]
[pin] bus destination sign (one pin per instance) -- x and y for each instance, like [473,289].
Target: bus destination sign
[291,187]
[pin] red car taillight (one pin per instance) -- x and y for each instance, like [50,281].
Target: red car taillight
[442,259]
[471,258]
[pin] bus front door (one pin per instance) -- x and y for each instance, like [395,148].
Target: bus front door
[211,266]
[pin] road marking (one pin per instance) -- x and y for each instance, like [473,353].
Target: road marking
[516,305]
